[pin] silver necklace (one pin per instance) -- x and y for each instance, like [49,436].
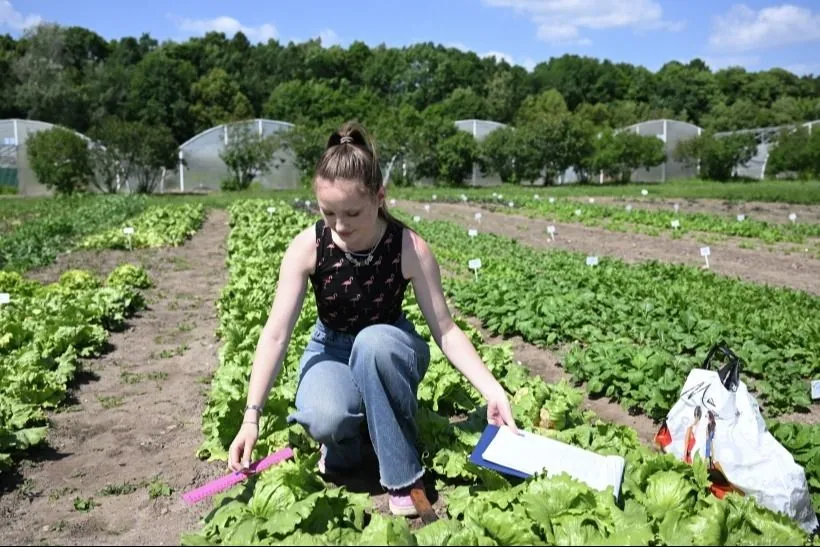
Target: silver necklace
[369,258]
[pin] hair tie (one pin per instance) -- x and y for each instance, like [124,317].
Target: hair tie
[345,139]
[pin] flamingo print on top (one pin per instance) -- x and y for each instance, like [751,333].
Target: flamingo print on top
[350,298]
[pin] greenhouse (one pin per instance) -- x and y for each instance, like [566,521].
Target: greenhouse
[765,137]
[15,170]
[201,168]
[671,132]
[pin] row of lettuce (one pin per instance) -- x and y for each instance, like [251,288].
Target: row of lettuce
[663,501]
[44,230]
[632,332]
[621,217]
[45,331]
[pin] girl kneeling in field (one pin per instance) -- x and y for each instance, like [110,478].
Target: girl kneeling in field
[365,360]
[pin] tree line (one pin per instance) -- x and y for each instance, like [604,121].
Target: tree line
[407,97]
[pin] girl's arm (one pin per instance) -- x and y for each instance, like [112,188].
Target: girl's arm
[423,271]
[297,264]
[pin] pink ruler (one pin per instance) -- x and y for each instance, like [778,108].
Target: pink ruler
[220,485]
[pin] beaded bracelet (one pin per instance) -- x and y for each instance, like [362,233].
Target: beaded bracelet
[254,407]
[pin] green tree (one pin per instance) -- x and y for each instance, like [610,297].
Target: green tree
[541,108]
[455,156]
[505,92]
[462,104]
[159,94]
[60,160]
[619,154]
[152,156]
[297,101]
[216,99]
[115,153]
[796,152]
[248,155]
[717,157]
[394,133]
[498,154]
[50,88]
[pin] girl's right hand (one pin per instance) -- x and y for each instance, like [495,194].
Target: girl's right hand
[241,450]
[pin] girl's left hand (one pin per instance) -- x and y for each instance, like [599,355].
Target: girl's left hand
[499,412]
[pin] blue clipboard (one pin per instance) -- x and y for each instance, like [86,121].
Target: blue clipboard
[477,457]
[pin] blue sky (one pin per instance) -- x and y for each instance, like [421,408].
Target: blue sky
[755,34]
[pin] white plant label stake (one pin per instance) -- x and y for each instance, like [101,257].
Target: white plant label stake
[793,217]
[472,232]
[435,197]
[477,217]
[592,200]
[475,264]
[537,197]
[271,210]
[4,298]
[427,208]
[128,231]
[741,218]
[815,388]
[677,207]
[551,232]
[592,261]
[552,200]
[676,224]
[416,218]
[511,204]
[392,202]
[705,252]
[577,212]
[628,207]
[644,192]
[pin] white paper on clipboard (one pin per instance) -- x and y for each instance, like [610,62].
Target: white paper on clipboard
[531,453]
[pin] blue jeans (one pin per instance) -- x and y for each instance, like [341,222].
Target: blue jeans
[345,379]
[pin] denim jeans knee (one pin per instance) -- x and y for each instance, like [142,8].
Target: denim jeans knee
[373,376]
[387,363]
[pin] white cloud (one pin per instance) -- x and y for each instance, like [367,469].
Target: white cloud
[744,29]
[228,25]
[10,17]
[329,38]
[561,21]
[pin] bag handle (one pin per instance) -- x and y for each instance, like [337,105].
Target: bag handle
[729,374]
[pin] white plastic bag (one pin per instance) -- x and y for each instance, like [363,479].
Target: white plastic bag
[719,419]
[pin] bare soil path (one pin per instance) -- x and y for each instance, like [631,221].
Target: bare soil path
[772,212]
[794,271]
[132,426]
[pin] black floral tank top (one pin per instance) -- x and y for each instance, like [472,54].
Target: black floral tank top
[350,297]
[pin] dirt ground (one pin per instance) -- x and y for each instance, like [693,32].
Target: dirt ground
[772,212]
[136,412]
[795,271]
